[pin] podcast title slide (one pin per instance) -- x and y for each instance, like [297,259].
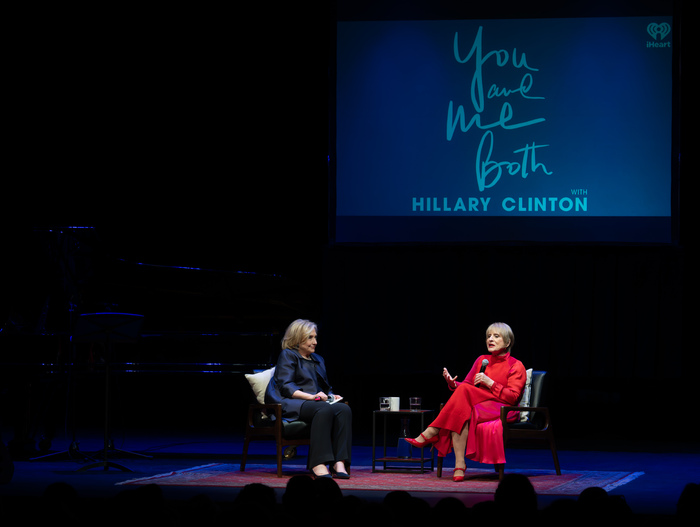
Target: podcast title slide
[542,118]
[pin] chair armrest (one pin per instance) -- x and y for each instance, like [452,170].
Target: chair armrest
[536,409]
[276,409]
[257,407]
[507,409]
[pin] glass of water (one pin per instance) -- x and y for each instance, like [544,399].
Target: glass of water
[414,403]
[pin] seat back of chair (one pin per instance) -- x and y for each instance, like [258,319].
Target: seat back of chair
[537,388]
[538,393]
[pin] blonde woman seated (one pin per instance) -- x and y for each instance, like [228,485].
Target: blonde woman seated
[470,420]
[300,384]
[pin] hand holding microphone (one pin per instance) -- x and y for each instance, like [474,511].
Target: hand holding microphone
[484,363]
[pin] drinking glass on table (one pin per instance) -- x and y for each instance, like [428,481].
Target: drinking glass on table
[414,403]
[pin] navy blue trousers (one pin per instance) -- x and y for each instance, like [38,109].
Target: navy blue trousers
[331,432]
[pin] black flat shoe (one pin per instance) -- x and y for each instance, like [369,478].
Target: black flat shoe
[339,475]
[316,476]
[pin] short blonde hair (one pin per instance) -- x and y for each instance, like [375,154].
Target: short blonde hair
[504,331]
[297,332]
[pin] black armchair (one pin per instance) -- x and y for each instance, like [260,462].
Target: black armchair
[264,422]
[535,426]
[271,426]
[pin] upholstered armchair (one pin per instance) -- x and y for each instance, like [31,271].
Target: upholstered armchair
[534,423]
[264,422]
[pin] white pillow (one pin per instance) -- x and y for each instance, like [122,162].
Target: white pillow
[259,381]
[525,401]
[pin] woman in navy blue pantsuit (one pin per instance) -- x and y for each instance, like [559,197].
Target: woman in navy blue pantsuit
[300,384]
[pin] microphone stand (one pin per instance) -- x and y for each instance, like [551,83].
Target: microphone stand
[109,328]
[73,449]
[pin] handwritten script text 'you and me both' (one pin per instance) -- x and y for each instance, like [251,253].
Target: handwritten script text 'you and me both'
[488,171]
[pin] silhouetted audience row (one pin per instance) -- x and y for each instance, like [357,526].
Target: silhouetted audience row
[306,501]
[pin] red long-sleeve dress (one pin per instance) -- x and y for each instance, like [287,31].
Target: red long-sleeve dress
[481,407]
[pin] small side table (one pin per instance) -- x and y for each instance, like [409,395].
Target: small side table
[413,414]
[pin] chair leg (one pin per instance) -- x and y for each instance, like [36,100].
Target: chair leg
[500,468]
[279,460]
[439,467]
[555,457]
[244,458]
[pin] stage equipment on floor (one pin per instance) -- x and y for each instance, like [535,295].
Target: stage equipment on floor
[73,451]
[108,329]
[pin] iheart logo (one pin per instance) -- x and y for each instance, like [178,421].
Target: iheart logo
[658,31]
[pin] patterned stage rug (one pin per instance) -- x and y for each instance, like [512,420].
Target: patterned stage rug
[545,482]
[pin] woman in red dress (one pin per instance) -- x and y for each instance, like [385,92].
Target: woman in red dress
[470,420]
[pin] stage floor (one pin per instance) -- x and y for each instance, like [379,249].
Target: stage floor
[667,468]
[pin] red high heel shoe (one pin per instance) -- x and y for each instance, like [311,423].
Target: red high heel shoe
[425,442]
[456,478]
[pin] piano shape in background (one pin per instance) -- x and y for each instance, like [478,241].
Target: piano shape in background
[197,322]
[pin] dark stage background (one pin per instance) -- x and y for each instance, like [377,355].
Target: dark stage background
[197,144]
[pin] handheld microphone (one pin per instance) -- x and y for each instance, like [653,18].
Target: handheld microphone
[484,363]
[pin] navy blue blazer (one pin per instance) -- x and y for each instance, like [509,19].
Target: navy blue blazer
[293,373]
